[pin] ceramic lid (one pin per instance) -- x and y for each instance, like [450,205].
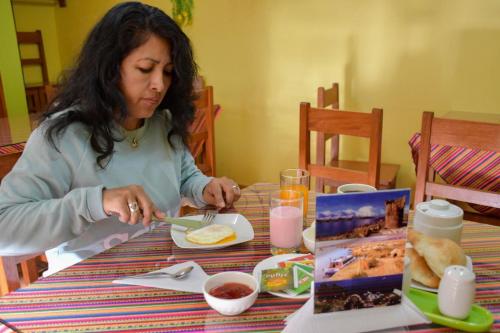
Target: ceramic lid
[449,214]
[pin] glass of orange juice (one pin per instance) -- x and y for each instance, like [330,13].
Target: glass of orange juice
[296,180]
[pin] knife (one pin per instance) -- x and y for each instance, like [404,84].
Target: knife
[191,224]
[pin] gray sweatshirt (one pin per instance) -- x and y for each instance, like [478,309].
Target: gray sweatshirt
[53,199]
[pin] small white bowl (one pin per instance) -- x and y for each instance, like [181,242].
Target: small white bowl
[230,307]
[309,237]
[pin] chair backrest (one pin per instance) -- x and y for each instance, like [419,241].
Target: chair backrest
[455,133]
[34,37]
[368,125]
[202,138]
[50,92]
[327,98]
[38,95]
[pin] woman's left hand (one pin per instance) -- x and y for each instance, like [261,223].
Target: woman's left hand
[221,192]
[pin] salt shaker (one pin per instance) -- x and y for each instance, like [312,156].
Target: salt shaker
[456,293]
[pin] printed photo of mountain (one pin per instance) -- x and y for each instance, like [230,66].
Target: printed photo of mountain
[354,215]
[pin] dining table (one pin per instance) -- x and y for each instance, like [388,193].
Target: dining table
[82,298]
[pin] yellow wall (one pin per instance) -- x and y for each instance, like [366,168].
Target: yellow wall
[266,56]
[10,70]
[77,19]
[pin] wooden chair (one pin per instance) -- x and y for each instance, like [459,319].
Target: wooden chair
[36,94]
[50,92]
[9,273]
[458,133]
[201,140]
[329,98]
[368,125]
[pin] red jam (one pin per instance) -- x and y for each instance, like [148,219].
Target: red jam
[231,290]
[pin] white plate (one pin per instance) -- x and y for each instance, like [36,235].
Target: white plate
[272,262]
[241,226]
[418,285]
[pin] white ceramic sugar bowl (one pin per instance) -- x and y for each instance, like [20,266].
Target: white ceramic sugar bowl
[438,218]
[456,292]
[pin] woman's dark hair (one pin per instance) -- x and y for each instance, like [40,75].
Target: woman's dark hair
[92,86]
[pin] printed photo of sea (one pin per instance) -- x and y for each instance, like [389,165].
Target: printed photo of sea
[352,215]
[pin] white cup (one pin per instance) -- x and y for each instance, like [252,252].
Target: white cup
[350,188]
[438,218]
[456,292]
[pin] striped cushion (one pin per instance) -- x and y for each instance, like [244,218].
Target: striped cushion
[461,166]
[11,149]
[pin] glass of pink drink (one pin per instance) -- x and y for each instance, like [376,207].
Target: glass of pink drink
[286,221]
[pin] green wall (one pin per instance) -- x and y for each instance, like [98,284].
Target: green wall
[12,77]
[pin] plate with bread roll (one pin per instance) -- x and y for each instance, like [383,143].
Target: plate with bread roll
[429,257]
[226,230]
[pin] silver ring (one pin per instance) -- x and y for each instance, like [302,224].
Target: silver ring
[236,188]
[133,206]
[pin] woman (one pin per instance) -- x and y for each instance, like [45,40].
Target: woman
[110,154]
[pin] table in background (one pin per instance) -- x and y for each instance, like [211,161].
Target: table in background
[82,297]
[13,134]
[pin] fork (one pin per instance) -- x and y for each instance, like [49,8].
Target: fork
[209,217]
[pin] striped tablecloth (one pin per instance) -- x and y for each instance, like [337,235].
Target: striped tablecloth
[83,299]
[472,168]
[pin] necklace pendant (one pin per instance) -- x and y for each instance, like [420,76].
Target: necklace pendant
[134,143]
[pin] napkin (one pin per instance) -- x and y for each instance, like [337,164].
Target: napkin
[192,283]
[362,320]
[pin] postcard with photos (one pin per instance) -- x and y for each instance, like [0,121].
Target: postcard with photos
[360,245]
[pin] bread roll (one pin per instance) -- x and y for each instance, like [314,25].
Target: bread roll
[439,253]
[420,271]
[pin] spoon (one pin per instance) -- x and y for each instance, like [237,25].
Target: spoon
[180,274]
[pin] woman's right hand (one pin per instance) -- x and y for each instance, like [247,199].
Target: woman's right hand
[131,204]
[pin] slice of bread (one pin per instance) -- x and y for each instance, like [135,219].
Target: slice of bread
[210,234]
[420,271]
[439,253]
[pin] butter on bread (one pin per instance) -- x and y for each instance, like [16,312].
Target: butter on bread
[420,271]
[210,234]
[439,253]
